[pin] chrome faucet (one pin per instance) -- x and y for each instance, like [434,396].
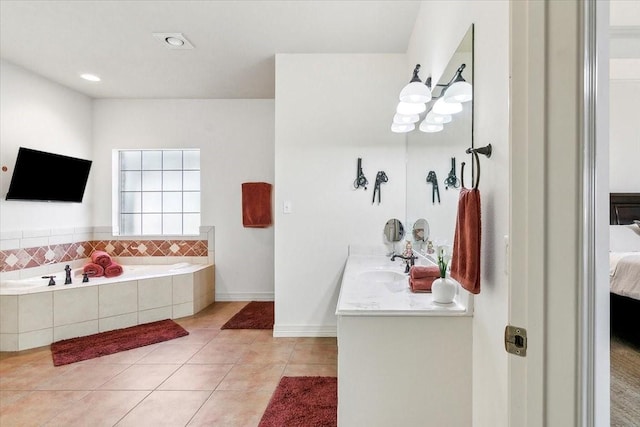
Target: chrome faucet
[411,260]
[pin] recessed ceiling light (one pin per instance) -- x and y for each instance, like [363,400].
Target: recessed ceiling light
[90,77]
[173,40]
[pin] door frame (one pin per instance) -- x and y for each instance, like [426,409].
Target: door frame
[559,193]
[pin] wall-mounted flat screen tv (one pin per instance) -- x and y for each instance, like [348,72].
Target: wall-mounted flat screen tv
[43,176]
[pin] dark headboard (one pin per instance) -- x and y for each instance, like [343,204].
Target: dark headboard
[624,208]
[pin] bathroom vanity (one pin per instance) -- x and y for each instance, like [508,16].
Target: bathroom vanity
[402,359]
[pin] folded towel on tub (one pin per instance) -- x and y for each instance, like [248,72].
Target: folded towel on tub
[421,285]
[112,270]
[93,270]
[101,258]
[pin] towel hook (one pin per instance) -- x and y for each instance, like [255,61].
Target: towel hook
[486,150]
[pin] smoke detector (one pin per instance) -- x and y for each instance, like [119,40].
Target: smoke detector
[173,40]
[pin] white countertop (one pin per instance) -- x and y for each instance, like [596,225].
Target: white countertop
[390,295]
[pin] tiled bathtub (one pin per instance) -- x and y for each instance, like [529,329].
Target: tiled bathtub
[33,314]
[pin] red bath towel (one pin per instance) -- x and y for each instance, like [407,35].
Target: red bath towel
[256,204]
[101,258]
[421,285]
[465,264]
[422,271]
[93,270]
[112,270]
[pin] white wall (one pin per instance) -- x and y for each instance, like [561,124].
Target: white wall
[235,138]
[624,136]
[40,114]
[440,26]
[330,110]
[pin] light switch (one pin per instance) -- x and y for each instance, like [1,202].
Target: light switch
[286,207]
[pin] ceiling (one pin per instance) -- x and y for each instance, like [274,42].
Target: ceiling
[235,42]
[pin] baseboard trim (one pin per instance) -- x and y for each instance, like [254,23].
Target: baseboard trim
[305,331]
[245,296]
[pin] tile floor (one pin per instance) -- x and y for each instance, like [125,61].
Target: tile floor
[211,377]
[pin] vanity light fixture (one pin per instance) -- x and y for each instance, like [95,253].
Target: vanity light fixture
[403,119]
[446,108]
[430,128]
[436,119]
[398,128]
[410,108]
[458,89]
[415,91]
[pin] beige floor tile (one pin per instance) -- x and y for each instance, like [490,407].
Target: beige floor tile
[40,355]
[29,377]
[127,357]
[317,340]
[140,377]
[197,336]
[171,353]
[255,377]
[216,352]
[83,377]
[274,352]
[8,397]
[165,408]
[237,336]
[196,377]
[314,353]
[266,336]
[232,409]
[98,409]
[311,370]
[38,407]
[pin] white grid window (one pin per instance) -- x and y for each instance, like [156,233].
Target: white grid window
[159,192]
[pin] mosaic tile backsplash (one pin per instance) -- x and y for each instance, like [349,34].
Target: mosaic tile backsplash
[18,259]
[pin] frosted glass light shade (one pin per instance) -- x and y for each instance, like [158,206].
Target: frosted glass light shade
[459,92]
[403,120]
[410,108]
[445,108]
[430,128]
[398,128]
[436,119]
[415,92]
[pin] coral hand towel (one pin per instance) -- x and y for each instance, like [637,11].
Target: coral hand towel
[112,270]
[101,258]
[421,285]
[93,270]
[465,264]
[422,271]
[256,204]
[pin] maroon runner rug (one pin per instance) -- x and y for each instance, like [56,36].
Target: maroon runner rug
[303,401]
[255,315]
[83,348]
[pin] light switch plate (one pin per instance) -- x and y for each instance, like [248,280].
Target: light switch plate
[286,207]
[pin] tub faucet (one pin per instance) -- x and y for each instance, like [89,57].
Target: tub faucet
[67,279]
[51,281]
[411,260]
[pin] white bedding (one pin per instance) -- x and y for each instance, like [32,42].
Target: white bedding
[624,260]
[624,274]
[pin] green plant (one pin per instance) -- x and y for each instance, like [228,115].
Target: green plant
[443,261]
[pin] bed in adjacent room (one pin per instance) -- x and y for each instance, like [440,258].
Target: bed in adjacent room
[624,263]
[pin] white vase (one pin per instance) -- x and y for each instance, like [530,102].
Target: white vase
[443,290]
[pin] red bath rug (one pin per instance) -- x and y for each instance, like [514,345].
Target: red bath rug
[255,315]
[83,348]
[303,401]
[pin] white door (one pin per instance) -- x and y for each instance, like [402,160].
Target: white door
[556,201]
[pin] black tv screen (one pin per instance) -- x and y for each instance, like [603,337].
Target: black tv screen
[43,176]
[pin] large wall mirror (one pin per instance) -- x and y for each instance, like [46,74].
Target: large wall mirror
[429,157]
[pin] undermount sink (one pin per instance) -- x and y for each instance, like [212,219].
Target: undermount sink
[381,276]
